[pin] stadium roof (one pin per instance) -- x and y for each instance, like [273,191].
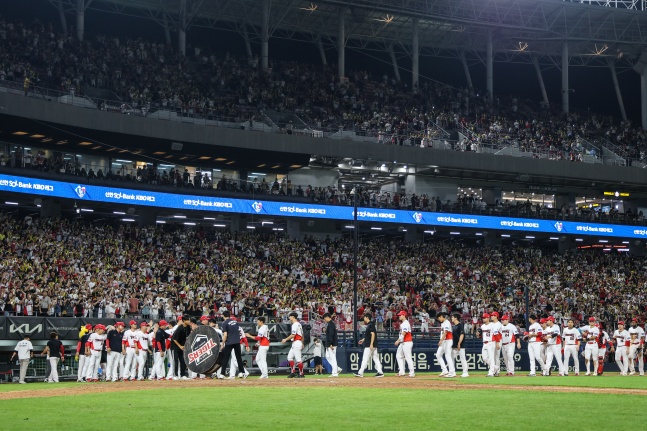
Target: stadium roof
[522,29]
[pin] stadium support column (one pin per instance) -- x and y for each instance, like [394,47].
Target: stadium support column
[643,98]
[489,67]
[294,228]
[181,29]
[147,217]
[248,45]
[394,61]
[415,56]
[466,69]
[61,14]
[540,78]
[265,36]
[614,77]
[80,18]
[234,223]
[565,90]
[167,30]
[322,51]
[341,43]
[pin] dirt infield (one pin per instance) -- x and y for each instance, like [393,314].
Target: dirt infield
[384,383]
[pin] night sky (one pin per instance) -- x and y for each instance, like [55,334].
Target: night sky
[593,86]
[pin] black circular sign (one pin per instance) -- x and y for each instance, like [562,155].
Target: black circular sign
[201,350]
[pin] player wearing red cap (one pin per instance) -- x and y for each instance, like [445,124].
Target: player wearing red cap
[80,353]
[509,338]
[495,326]
[622,342]
[161,336]
[93,351]
[591,334]
[640,334]
[553,346]
[535,334]
[445,347]
[571,337]
[544,344]
[143,345]
[487,351]
[603,345]
[405,346]
[130,351]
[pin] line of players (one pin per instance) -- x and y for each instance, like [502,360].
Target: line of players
[123,354]
[546,342]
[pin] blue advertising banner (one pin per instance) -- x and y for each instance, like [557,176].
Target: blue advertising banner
[424,360]
[119,195]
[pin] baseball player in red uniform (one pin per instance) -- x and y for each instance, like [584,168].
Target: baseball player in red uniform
[509,338]
[405,346]
[622,342]
[445,347]
[603,345]
[571,337]
[591,334]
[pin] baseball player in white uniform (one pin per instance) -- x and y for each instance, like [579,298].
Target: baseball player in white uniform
[233,363]
[495,325]
[262,338]
[445,347]
[405,346]
[622,346]
[143,344]
[424,322]
[603,342]
[634,348]
[96,341]
[509,334]
[535,334]
[130,351]
[487,352]
[591,334]
[553,346]
[294,356]
[170,359]
[571,337]
[639,351]
[544,345]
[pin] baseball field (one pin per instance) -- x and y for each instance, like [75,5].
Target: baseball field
[425,402]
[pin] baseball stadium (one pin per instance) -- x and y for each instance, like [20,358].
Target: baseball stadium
[211,215]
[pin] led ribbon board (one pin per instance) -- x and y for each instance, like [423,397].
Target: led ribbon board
[117,195]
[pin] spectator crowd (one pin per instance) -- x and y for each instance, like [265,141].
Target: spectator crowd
[147,76]
[68,267]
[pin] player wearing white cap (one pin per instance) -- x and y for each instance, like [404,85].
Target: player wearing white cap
[445,347]
[130,351]
[509,334]
[535,334]
[622,342]
[94,349]
[571,336]
[405,346]
[640,349]
[487,351]
[553,346]
[294,355]
[591,334]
